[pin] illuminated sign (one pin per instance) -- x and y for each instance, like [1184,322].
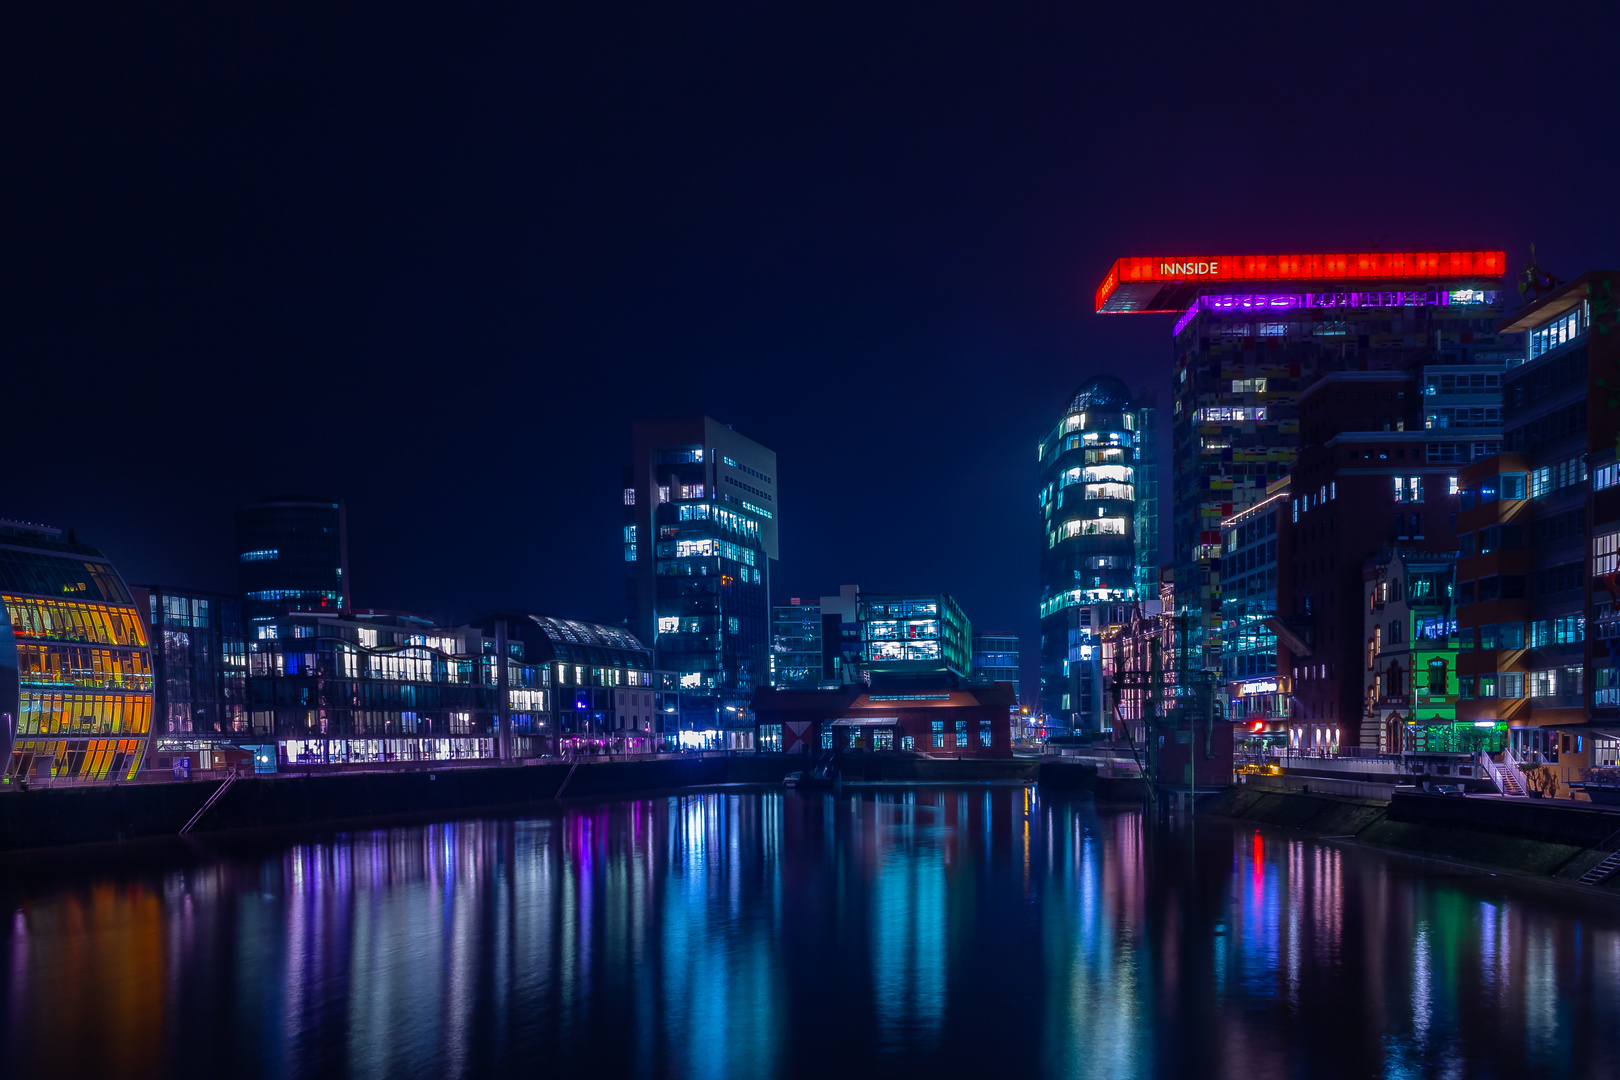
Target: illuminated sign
[1190,269]
[1259,686]
[1148,284]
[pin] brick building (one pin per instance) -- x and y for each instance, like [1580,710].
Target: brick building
[963,720]
[1371,476]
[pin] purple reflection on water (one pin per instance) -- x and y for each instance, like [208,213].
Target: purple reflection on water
[945,932]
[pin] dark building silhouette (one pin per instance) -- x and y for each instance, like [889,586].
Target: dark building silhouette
[292,555]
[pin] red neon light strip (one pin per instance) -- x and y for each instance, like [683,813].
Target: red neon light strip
[1362,266]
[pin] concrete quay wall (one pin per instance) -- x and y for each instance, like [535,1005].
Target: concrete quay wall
[86,815]
[1524,836]
[61,817]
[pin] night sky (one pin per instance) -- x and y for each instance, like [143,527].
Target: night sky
[435,260]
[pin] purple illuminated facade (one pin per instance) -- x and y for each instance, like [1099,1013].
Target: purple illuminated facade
[1249,303]
[1242,359]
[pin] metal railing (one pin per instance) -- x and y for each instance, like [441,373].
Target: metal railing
[1510,766]
[224,786]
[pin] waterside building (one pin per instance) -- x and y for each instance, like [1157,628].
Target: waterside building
[1099,539]
[75,663]
[1254,332]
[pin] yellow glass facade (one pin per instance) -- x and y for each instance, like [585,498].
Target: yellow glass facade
[84,668]
[71,620]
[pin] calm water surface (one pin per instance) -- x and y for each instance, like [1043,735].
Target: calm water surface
[977,932]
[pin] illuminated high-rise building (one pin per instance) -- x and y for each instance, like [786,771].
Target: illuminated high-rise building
[79,703]
[701,507]
[1253,332]
[292,555]
[1096,463]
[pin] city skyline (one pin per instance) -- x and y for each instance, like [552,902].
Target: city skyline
[274,305]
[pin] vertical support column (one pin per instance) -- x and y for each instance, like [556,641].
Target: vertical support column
[503,712]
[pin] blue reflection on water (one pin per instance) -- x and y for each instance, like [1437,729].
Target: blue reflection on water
[967,932]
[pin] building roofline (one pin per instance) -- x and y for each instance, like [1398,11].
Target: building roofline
[1555,303]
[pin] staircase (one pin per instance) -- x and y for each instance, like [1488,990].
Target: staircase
[567,778]
[1512,780]
[225,785]
[1501,775]
[1603,870]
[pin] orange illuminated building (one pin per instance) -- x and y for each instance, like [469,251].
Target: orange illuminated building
[78,704]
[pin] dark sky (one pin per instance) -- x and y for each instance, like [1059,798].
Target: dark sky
[435,259]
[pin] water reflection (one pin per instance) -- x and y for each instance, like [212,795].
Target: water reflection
[965,931]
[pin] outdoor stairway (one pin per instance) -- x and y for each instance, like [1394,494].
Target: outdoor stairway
[567,778]
[1602,871]
[230,778]
[1505,773]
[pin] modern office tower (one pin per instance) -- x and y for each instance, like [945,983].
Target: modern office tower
[701,507]
[914,636]
[1253,332]
[796,654]
[1254,550]
[367,689]
[199,663]
[1147,497]
[1094,463]
[81,699]
[601,688]
[292,555]
[995,656]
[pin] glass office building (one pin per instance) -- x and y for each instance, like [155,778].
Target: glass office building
[1097,466]
[701,509]
[1252,333]
[292,555]
[995,657]
[914,636]
[602,689]
[81,698]
[366,690]
[1254,546]
[796,650]
[199,664]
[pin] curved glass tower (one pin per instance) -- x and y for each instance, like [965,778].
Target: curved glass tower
[1096,473]
[293,556]
[83,672]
